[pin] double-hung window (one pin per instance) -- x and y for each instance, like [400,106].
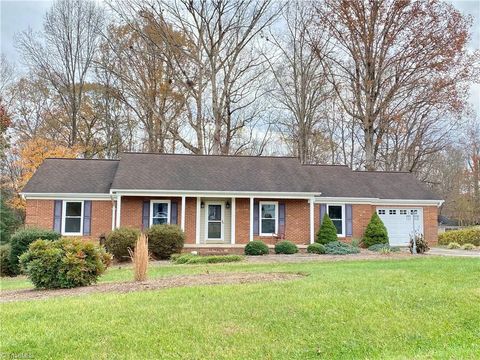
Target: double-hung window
[337,215]
[268,218]
[159,212]
[72,218]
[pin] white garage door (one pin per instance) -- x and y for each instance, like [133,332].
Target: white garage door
[401,223]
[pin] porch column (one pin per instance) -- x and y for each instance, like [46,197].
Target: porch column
[113,215]
[197,221]
[182,215]
[251,218]
[119,210]
[312,221]
[232,217]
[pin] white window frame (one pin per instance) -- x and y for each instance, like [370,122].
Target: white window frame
[343,218]
[64,212]
[169,209]
[222,220]
[260,203]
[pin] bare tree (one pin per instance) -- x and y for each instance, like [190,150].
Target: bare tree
[63,52]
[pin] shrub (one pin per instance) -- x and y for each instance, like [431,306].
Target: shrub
[465,236]
[356,242]
[165,240]
[66,263]
[5,260]
[421,244]
[210,259]
[285,247]
[327,232]
[256,247]
[454,245]
[119,241]
[376,232]
[22,239]
[468,247]
[139,258]
[340,248]
[316,249]
[9,219]
[382,247]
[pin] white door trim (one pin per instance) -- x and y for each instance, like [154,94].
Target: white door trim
[222,221]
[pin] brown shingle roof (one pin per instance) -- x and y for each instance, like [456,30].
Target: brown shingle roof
[143,171]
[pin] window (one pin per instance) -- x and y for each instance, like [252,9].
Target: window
[159,212]
[403,212]
[268,218]
[392,212]
[381,212]
[337,214]
[72,222]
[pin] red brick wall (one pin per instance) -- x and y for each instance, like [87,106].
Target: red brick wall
[242,221]
[190,219]
[430,224]
[101,218]
[39,213]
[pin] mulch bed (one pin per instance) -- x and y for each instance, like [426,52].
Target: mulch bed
[161,283]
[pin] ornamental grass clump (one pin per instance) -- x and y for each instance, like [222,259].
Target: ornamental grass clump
[327,232]
[140,256]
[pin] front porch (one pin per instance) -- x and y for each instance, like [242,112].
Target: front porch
[214,221]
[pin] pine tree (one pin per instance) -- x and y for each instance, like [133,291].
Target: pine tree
[376,232]
[327,232]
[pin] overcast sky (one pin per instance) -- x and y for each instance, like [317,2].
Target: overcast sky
[18,15]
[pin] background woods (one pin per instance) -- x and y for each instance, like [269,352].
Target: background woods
[376,85]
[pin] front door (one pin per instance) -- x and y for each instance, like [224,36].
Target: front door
[214,225]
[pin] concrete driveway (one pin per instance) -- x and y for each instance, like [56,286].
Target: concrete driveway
[454,252]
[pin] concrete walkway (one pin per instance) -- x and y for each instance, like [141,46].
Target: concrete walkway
[454,252]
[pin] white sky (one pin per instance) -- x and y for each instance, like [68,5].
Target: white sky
[18,15]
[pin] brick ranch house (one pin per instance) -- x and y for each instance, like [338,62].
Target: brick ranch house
[223,202]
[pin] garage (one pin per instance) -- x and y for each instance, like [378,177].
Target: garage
[401,223]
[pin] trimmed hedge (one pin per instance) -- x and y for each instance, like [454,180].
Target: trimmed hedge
[255,248]
[376,232]
[316,248]
[210,259]
[66,263]
[165,240]
[119,240]
[21,240]
[340,248]
[327,232]
[285,247]
[464,236]
[5,260]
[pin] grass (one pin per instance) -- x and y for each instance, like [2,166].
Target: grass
[421,308]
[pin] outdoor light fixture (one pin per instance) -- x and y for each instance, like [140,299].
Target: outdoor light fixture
[227,205]
[202,205]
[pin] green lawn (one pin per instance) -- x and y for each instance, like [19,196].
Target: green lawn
[423,308]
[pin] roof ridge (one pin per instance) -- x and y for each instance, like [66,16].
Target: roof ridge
[211,155]
[60,158]
[383,171]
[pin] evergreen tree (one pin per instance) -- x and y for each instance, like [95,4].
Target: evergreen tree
[376,232]
[327,232]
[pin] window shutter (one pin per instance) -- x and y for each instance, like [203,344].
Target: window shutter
[255,218]
[323,211]
[281,219]
[57,216]
[173,213]
[87,217]
[348,219]
[146,215]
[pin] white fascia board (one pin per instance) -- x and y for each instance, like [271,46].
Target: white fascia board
[65,196]
[377,201]
[213,194]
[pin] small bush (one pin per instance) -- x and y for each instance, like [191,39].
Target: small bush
[119,241]
[165,240]
[422,245]
[468,247]
[5,260]
[256,247]
[454,245]
[381,247]
[340,248]
[316,249]
[22,239]
[376,232]
[327,232]
[356,243]
[285,247]
[211,259]
[464,236]
[66,263]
